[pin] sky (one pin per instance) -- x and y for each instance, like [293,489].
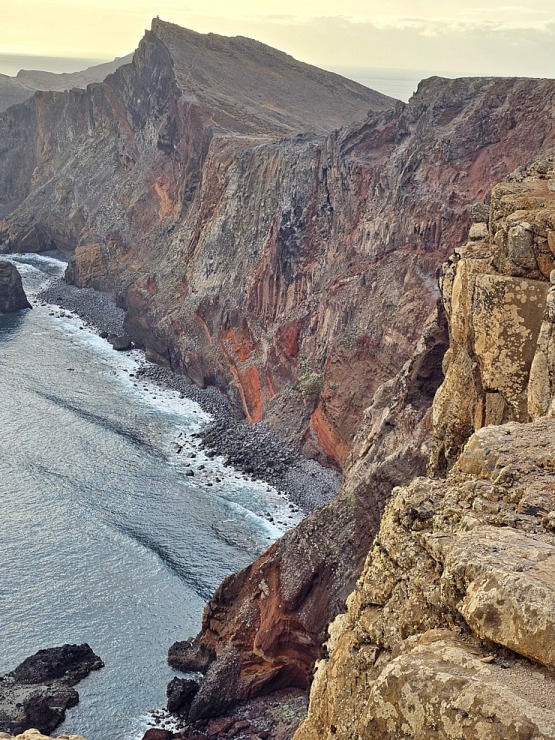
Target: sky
[446,37]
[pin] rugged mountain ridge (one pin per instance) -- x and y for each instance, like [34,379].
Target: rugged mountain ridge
[16,89]
[247,259]
[450,630]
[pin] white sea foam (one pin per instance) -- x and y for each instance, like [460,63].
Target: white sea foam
[252,499]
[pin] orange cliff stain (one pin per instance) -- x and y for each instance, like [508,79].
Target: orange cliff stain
[288,337]
[328,436]
[162,188]
[152,285]
[239,350]
[240,344]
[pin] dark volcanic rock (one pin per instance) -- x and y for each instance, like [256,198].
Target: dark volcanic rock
[180,693]
[38,692]
[157,734]
[190,655]
[70,663]
[12,295]
[120,343]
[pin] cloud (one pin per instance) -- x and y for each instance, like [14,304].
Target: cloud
[450,25]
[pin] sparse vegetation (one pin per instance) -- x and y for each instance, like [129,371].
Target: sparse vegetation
[309,382]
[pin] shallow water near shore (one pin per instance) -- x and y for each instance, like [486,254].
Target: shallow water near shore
[104,537]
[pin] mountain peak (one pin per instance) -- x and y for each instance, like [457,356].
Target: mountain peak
[255,87]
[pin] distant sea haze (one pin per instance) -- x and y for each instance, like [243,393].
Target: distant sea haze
[398,83]
[10,64]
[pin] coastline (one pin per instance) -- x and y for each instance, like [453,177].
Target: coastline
[252,449]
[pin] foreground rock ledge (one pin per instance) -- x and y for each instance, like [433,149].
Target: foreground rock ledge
[12,295]
[451,628]
[38,692]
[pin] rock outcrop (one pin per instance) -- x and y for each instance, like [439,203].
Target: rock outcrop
[449,632]
[12,294]
[37,693]
[496,292]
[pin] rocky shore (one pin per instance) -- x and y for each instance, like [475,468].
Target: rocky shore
[251,448]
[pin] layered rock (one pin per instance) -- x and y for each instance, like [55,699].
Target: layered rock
[37,693]
[296,268]
[12,294]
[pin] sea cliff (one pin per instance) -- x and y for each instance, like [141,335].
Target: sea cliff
[282,245]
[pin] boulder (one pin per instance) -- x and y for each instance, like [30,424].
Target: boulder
[180,693]
[120,343]
[12,295]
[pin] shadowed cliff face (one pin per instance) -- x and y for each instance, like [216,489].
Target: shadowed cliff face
[297,268]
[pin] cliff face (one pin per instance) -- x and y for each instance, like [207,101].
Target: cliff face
[264,626]
[450,629]
[256,248]
[297,270]
[500,363]
[271,618]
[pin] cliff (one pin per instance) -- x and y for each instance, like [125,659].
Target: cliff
[258,247]
[295,270]
[269,621]
[449,632]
